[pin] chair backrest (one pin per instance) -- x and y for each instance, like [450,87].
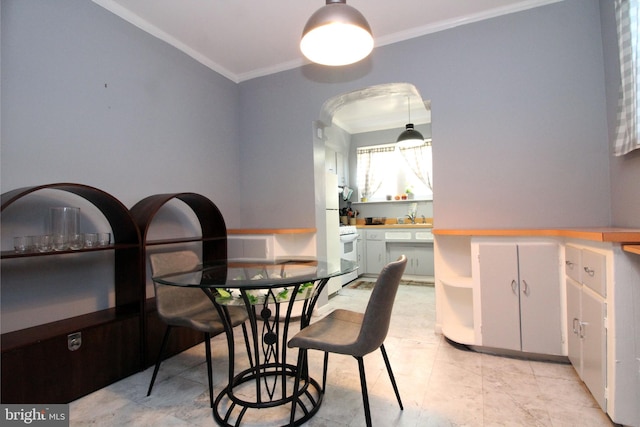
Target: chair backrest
[173,301]
[377,316]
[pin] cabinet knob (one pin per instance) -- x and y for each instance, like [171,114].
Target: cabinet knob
[589,271]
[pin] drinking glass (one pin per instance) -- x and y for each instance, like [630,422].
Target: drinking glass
[22,243]
[43,243]
[64,221]
[76,241]
[90,240]
[104,239]
[60,242]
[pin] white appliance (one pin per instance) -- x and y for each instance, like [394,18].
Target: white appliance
[348,250]
[333,229]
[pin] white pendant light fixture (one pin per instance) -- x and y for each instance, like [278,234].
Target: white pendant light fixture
[410,137]
[336,34]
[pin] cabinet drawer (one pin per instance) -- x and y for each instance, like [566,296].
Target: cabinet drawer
[424,235]
[47,371]
[398,235]
[375,234]
[572,265]
[594,271]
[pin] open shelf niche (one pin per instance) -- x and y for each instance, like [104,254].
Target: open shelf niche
[109,339]
[455,289]
[212,243]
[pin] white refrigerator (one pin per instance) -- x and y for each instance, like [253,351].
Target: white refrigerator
[333,229]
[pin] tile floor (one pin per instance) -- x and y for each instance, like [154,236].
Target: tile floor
[440,385]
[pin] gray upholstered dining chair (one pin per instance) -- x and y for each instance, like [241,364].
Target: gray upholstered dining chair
[188,307]
[355,334]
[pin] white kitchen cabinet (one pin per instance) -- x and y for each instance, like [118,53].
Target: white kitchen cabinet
[602,292]
[574,314]
[376,251]
[520,296]
[593,335]
[419,257]
[586,318]
[362,266]
[387,244]
[269,247]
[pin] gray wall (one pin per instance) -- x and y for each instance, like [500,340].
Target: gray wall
[519,121]
[89,98]
[519,118]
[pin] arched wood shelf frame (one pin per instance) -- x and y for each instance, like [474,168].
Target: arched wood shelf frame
[111,338]
[214,247]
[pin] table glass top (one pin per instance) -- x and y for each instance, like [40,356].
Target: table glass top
[230,274]
[259,281]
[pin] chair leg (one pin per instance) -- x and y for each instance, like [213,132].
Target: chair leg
[365,395]
[393,380]
[207,346]
[163,346]
[324,371]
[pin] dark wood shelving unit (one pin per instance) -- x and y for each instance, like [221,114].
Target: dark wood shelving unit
[214,247]
[37,364]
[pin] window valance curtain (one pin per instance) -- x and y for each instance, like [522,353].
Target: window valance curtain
[419,161]
[371,165]
[627,132]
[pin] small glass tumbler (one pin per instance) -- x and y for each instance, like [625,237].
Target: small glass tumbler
[90,240]
[43,243]
[76,241]
[60,242]
[104,239]
[22,244]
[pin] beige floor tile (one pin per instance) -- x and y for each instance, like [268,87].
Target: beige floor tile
[440,385]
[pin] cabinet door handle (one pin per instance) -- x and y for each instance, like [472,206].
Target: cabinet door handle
[582,328]
[576,326]
[589,271]
[526,287]
[514,287]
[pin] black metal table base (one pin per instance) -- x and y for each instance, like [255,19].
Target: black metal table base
[264,393]
[232,407]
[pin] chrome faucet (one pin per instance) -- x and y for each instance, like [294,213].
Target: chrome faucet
[413,210]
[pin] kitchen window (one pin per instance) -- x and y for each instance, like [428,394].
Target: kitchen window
[388,170]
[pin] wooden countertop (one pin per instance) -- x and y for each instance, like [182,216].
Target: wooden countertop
[395,226]
[634,249]
[598,234]
[271,230]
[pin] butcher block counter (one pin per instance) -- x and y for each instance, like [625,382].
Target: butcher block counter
[629,237]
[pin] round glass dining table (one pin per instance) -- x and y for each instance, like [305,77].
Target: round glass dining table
[275,294]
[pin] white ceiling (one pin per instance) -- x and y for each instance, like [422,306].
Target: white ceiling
[244,39]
